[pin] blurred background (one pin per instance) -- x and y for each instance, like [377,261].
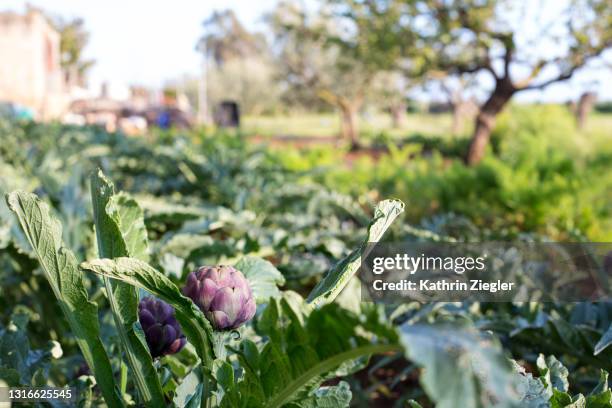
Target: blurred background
[289,67]
[499,111]
[272,129]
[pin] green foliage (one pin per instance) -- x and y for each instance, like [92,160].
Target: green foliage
[337,278]
[454,359]
[301,351]
[218,200]
[542,177]
[120,231]
[551,389]
[263,277]
[19,364]
[73,40]
[44,232]
[604,107]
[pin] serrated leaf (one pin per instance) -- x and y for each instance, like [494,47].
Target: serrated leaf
[533,392]
[263,277]
[126,213]
[120,231]
[59,264]
[338,396]
[554,373]
[338,277]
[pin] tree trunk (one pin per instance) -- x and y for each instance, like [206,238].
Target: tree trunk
[349,127]
[398,114]
[585,105]
[485,121]
[457,124]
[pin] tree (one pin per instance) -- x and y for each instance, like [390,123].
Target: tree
[328,54]
[492,37]
[73,40]
[391,90]
[584,107]
[469,36]
[249,81]
[461,101]
[226,39]
[242,69]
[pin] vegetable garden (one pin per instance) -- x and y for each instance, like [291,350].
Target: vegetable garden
[201,270]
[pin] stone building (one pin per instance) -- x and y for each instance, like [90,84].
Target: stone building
[30,71]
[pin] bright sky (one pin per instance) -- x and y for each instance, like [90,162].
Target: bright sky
[144,41]
[149,42]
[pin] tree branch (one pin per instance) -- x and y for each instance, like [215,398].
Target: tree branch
[579,63]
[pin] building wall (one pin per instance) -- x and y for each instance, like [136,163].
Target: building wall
[30,71]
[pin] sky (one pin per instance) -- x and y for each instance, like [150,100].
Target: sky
[144,41]
[149,42]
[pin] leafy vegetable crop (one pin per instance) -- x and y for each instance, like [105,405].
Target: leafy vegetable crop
[78,256]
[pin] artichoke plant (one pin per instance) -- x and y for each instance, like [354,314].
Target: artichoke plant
[223,294]
[162,332]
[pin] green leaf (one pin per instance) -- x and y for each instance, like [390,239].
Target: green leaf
[562,399]
[19,364]
[128,216]
[10,376]
[120,231]
[554,373]
[602,385]
[601,400]
[533,392]
[59,264]
[462,367]
[604,342]
[263,277]
[601,396]
[225,375]
[140,274]
[326,397]
[337,278]
[189,392]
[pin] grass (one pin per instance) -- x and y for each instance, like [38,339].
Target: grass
[328,125]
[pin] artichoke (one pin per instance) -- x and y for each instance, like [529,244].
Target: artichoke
[162,331]
[223,294]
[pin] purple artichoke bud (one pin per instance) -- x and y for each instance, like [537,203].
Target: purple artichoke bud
[223,294]
[162,331]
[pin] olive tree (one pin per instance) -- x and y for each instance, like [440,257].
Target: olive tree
[74,37]
[241,66]
[324,54]
[458,91]
[520,45]
[390,92]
